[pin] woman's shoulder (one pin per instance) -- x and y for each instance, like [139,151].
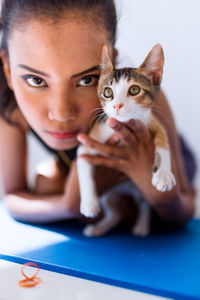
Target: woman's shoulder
[13,153]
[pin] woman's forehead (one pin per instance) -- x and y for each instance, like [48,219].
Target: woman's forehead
[52,46]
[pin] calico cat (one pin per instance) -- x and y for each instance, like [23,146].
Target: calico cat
[126,94]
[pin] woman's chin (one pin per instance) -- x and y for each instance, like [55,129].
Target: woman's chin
[62,144]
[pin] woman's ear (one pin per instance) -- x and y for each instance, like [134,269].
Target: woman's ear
[6,68]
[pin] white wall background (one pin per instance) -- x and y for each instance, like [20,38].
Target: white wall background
[176,25]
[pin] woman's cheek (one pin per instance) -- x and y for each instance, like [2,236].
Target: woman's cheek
[28,104]
[90,108]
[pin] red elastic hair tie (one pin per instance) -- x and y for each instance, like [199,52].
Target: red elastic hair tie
[30,281]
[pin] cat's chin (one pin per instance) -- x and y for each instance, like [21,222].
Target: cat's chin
[144,118]
[123,119]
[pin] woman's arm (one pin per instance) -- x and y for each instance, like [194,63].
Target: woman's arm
[13,158]
[136,157]
[25,204]
[177,205]
[47,204]
[29,207]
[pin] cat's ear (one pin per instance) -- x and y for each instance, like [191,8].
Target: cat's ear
[152,66]
[106,63]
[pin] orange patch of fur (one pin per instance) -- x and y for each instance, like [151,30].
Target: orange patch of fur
[159,132]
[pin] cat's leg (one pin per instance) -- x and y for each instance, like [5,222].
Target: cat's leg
[142,224]
[112,217]
[89,205]
[118,205]
[163,178]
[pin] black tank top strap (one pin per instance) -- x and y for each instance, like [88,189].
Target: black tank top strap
[65,155]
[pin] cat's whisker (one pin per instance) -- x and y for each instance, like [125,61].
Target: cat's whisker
[95,112]
[105,118]
[99,115]
[102,118]
[94,119]
[98,109]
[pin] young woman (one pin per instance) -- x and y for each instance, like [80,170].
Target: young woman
[49,72]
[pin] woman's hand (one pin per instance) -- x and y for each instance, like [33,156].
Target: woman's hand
[134,156]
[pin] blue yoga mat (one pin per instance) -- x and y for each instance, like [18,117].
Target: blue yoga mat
[165,264]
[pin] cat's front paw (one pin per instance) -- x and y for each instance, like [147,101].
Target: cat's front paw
[90,208]
[140,230]
[92,231]
[163,180]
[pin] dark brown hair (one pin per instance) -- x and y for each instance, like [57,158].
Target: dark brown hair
[17,12]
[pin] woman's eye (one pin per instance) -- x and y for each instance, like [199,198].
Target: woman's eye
[134,90]
[34,81]
[88,80]
[108,92]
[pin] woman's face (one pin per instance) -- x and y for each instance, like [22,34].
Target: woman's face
[53,73]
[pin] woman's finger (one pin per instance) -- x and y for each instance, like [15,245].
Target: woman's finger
[105,150]
[126,136]
[114,140]
[139,129]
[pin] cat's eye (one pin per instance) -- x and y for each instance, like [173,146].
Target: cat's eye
[34,81]
[108,92]
[134,90]
[89,80]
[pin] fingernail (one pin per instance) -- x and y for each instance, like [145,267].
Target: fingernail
[82,139]
[116,138]
[112,123]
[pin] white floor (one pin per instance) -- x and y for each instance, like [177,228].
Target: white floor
[55,286]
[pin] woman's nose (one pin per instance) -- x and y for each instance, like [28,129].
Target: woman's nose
[60,117]
[62,109]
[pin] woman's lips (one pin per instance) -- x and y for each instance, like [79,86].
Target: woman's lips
[59,135]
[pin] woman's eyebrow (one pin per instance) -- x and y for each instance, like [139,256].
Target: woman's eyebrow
[33,70]
[95,68]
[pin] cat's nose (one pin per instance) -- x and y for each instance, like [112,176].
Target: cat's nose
[117,107]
